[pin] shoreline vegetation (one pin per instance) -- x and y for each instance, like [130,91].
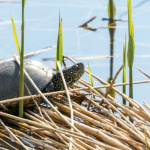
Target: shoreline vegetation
[82,116]
[105,126]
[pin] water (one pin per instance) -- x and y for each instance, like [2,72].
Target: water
[41,31]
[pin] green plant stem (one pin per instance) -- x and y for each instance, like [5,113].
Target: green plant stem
[130,85]
[21,77]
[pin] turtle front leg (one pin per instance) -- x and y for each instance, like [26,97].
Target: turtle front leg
[49,88]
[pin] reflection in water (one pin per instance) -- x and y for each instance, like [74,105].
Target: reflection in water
[111,13]
[111,32]
[85,24]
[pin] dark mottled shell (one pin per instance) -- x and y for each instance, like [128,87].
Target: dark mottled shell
[9,77]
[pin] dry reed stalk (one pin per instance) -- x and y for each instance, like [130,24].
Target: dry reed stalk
[72,90]
[44,126]
[92,131]
[42,118]
[103,121]
[39,51]
[140,136]
[36,52]
[45,99]
[40,131]
[55,126]
[129,111]
[6,143]
[146,105]
[71,140]
[81,142]
[69,101]
[38,143]
[33,118]
[62,135]
[97,123]
[111,85]
[147,75]
[44,143]
[13,135]
[135,104]
[24,135]
[106,128]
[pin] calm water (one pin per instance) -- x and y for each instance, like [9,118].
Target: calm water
[41,31]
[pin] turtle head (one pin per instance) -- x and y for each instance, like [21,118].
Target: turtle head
[71,75]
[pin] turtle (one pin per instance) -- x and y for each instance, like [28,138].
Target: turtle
[43,76]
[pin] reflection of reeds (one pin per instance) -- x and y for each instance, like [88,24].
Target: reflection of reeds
[101,128]
[111,13]
[111,9]
[124,70]
[110,79]
[131,47]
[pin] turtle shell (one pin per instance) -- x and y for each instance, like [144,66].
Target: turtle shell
[9,77]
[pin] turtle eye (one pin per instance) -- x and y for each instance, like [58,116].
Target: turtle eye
[80,66]
[76,65]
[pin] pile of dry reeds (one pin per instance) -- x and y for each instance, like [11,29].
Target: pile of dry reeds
[82,118]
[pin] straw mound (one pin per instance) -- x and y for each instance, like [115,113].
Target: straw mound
[92,120]
[106,128]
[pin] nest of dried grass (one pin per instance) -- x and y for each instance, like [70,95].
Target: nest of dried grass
[82,123]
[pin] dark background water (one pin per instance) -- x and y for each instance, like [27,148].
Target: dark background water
[41,27]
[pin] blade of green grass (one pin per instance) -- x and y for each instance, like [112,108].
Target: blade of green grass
[90,75]
[59,50]
[111,9]
[15,35]
[124,69]
[91,80]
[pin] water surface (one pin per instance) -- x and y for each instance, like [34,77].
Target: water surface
[41,31]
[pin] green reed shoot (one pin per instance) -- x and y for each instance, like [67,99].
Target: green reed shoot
[90,75]
[111,9]
[59,50]
[21,54]
[131,47]
[124,69]
[21,77]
